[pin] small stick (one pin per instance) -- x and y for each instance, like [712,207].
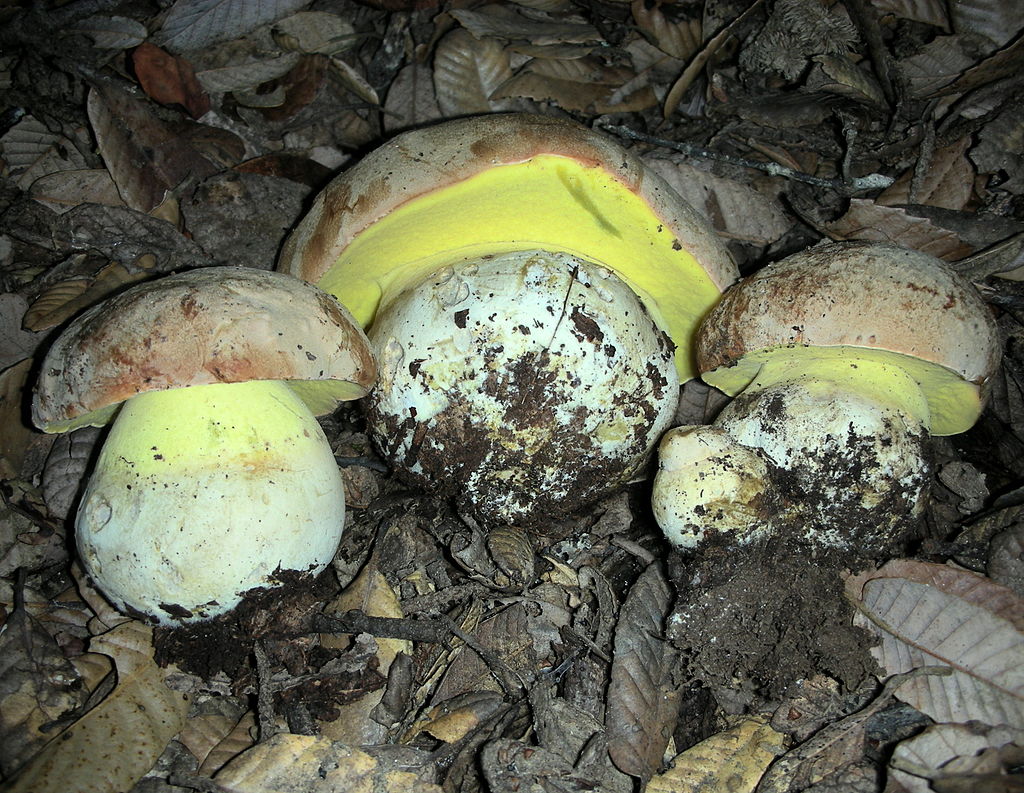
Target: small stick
[874,181]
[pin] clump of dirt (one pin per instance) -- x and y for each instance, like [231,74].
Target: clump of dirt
[281,615]
[754,621]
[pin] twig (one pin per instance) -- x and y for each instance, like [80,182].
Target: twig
[874,181]
[264,694]
[384,627]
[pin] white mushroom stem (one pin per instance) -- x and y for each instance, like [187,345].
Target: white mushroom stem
[200,494]
[827,448]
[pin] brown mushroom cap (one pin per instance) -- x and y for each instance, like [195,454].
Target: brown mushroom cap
[873,296]
[424,163]
[205,326]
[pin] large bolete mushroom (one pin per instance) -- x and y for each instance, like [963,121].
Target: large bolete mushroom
[215,476]
[525,280]
[842,359]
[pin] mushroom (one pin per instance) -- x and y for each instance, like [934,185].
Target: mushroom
[215,477]
[842,360]
[543,231]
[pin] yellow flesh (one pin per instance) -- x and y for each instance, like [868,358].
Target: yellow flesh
[320,396]
[952,403]
[550,203]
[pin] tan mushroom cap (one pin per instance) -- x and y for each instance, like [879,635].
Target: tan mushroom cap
[658,264]
[205,326]
[904,305]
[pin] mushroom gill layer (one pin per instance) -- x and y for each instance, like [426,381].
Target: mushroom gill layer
[526,385]
[548,203]
[200,494]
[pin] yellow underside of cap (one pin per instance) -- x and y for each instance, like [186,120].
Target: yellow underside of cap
[551,203]
[953,404]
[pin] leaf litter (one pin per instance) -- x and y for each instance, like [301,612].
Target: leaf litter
[578,656]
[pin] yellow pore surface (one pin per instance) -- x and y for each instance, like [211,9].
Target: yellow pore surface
[550,203]
[943,401]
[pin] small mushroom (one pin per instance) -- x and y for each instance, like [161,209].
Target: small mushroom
[528,223]
[842,359]
[215,476]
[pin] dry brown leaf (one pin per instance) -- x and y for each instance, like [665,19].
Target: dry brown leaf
[453,719]
[111,33]
[371,594]
[931,12]
[643,696]
[467,71]
[951,753]
[145,158]
[207,729]
[866,220]
[581,84]
[113,745]
[948,181]
[15,434]
[169,80]
[16,342]
[679,39]
[301,86]
[411,100]
[355,82]
[195,24]
[500,21]
[32,151]
[37,689]
[1005,563]
[1000,150]
[65,299]
[231,745]
[934,615]
[732,761]
[736,210]
[289,763]
[837,74]
[936,64]
[314,32]
[996,20]
[66,189]
[246,76]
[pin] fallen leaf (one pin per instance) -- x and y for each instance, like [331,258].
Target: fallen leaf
[64,471]
[996,20]
[288,763]
[236,741]
[948,180]
[314,32]
[32,151]
[467,71]
[866,220]
[935,65]
[15,434]
[411,100]
[65,299]
[737,211]
[503,22]
[195,24]
[16,342]
[931,12]
[301,86]
[64,190]
[455,718]
[947,753]
[643,696]
[111,33]
[934,615]
[132,725]
[247,75]
[581,84]
[679,39]
[38,687]
[1000,150]
[169,80]
[732,761]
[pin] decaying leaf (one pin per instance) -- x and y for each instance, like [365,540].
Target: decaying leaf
[314,32]
[288,763]
[453,719]
[64,190]
[169,80]
[16,342]
[194,24]
[133,724]
[37,689]
[32,151]
[15,434]
[583,84]
[208,725]
[111,33]
[643,696]
[931,12]
[1005,563]
[934,615]
[65,468]
[467,71]
[996,20]
[732,761]
[239,738]
[737,211]
[961,755]
[936,64]
[65,299]
[501,21]
[234,76]
[371,594]
[1000,150]
[947,181]
[866,220]
[837,74]
[679,39]
[411,100]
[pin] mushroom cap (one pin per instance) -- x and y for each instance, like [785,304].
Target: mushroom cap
[860,298]
[505,182]
[204,326]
